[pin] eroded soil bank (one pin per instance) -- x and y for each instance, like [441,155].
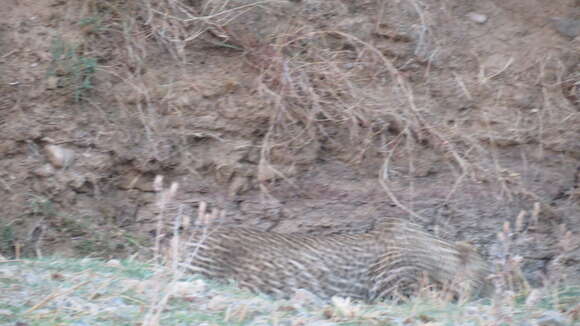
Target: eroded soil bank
[299,116]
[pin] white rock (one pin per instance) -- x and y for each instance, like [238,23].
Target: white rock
[218,303]
[303,297]
[59,156]
[44,171]
[113,263]
[185,289]
[476,17]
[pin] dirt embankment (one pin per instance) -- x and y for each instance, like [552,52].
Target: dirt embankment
[300,116]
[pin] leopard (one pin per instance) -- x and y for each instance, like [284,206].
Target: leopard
[394,259]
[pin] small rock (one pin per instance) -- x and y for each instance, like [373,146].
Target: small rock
[8,147]
[186,289]
[113,263]
[218,303]
[59,156]
[52,82]
[130,285]
[134,180]
[79,182]
[345,307]
[476,17]
[566,26]
[318,323]
[239,185]
[146,287]
[551,318]
[44,171]
[303,297]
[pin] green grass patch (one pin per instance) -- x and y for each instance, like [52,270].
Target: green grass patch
[65,291]
[71,69]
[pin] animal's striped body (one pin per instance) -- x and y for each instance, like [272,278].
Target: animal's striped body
[394,257]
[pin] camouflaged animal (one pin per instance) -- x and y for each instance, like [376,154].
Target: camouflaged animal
[395,258]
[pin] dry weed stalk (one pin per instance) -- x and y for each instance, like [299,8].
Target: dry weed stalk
[509,277]
[509,280]
[170,245]
[175,25]
[55,295]
[165,201]
[177,254]
[557,280]
[304,103]
[164,198]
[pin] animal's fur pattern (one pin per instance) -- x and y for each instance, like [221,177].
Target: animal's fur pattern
[393,259]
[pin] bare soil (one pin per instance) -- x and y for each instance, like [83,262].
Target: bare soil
[301,116]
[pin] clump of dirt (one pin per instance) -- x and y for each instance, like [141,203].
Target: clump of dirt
[300,116]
